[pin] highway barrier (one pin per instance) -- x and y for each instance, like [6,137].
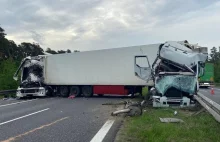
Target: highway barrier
[212,107]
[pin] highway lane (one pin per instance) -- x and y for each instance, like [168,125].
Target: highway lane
[207,93]
[54,119]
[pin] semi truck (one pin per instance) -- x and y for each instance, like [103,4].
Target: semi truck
[207,79]
[172,68]
[107,71]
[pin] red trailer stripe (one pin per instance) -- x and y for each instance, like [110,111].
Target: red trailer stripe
[110,89]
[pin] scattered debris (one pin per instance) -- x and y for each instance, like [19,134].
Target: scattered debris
[118,103]
[120,111]
[175,112]
[171,120]
[71,96]
[131,109]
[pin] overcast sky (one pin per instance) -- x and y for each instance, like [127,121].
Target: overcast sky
[98,24]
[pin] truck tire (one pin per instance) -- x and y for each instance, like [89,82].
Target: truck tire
[87,91]
[64,91]
[49,91]
[75,90]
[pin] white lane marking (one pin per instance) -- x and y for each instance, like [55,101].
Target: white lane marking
[100,135]
[23,116]
[17,103]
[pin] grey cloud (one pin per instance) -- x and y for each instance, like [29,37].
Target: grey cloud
[76,22]
[37,37]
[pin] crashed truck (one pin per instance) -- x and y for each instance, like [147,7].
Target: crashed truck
[171,69]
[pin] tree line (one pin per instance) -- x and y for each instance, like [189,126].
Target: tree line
[215,59]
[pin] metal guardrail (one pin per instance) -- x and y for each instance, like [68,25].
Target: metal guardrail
[212,107]
[4,92]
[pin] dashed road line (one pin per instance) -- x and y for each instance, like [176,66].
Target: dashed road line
[23,116]
[32,131]
[17,103]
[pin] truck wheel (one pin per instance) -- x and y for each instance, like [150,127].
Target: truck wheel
[75,90]
[87,91]
[49,91]
[64,91]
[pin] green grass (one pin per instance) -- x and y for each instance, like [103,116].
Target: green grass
[144,91]
[148,128]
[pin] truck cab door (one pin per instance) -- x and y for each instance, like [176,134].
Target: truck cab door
[142,68]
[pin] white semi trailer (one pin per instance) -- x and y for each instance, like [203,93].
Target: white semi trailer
[109,71]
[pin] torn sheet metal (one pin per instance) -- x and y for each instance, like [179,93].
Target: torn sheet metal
[33,71]
[171,120]
[181,54]
[181,82]
[30,63]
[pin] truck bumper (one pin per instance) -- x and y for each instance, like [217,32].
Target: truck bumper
[167,102]
[38,92]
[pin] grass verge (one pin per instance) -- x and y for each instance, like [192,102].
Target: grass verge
[144,91]
[148,128]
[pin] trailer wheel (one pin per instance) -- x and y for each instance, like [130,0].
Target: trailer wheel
[64,91]
[87,91]
[75,90]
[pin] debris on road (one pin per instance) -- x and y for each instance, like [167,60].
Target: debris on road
[72,97]
[131,109]
[171,120]
[118,103]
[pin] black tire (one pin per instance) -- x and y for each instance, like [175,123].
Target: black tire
[75,90]
[49,91]
[64,91]
[87,91]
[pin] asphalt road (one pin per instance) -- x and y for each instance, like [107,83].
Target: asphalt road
[207,93]
[55,119]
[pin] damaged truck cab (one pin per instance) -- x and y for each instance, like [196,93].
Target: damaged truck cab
[175,73]
[31,83]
